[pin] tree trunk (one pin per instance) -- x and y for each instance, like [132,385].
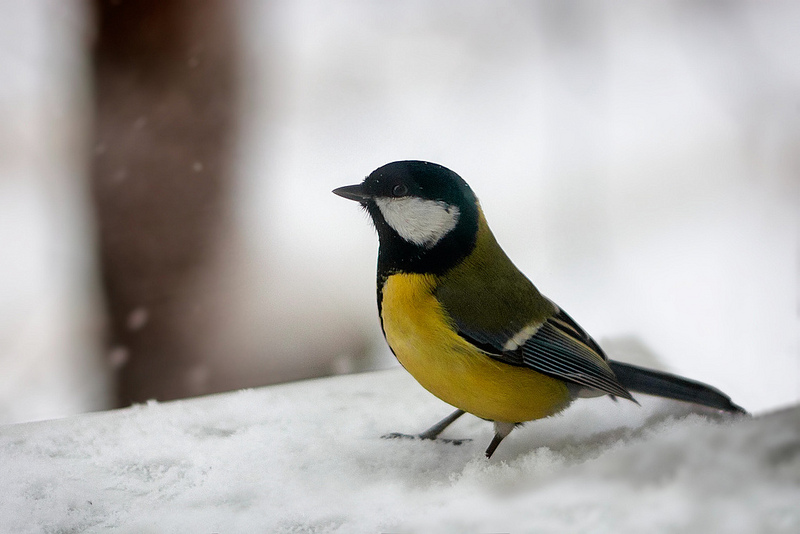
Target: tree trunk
[165,81]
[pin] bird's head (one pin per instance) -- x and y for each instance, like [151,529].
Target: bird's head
[425,214]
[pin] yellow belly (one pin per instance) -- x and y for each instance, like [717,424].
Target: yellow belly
[445,364]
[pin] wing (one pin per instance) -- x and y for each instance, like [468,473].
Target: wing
[557,347]
[497,309]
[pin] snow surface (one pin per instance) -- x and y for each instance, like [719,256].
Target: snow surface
[307,457]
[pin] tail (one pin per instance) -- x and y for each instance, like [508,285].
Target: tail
[672,387]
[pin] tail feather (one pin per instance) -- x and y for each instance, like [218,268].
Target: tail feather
[661,384]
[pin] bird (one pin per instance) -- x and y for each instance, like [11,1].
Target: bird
[469,326]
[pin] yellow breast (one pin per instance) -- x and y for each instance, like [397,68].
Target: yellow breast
[420,334]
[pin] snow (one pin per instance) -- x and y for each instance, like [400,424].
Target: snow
[307,457]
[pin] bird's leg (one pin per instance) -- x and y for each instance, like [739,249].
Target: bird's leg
[434,431]
[501,430]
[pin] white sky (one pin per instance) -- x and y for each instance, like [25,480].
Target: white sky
[636,160]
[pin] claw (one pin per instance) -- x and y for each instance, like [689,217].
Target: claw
[396,435]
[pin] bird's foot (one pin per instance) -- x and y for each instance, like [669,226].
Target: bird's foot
[396,435]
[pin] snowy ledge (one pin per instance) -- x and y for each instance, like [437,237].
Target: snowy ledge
[307,457]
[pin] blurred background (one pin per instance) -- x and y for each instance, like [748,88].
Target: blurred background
[167,228]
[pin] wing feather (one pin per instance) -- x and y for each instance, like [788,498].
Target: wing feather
[559,348]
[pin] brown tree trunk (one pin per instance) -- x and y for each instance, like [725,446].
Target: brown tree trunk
[164,74]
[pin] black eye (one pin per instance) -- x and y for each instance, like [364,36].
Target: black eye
[399,190]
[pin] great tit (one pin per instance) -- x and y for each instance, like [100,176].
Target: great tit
[469,326]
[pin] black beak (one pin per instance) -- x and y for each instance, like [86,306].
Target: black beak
[352,192]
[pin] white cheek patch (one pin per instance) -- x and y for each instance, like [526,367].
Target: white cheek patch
[419,221]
